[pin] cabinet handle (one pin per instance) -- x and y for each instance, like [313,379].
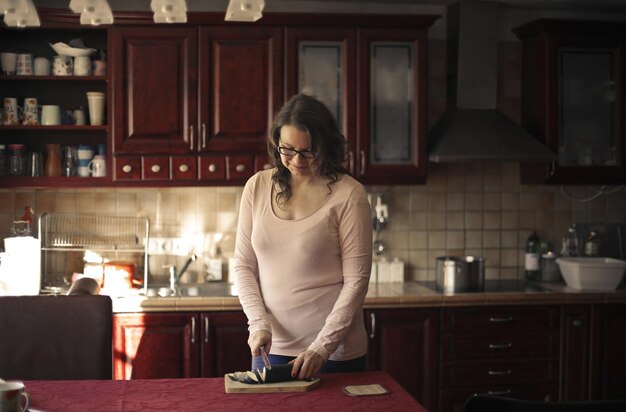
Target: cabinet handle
[240,168]
[206,329]
[127,168]
[362,172]
[500,345]
[183,168]
[500,373]
[373,325]
[155,168]
[351,161]
[191,138]
[552,168]
[203,135]
[501,320]
[193,330]
[504,392]
[212,168]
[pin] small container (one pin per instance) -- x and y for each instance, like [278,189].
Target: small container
[549,268]
[4,161]
[17,163]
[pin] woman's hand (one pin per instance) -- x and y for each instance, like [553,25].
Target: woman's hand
[258,339]
[307,364]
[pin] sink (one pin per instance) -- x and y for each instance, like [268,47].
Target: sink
[215,289]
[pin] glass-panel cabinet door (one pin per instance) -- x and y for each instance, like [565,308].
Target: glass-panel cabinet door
[391,103]
[588,129]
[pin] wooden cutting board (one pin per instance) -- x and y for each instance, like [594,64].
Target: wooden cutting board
[232,386]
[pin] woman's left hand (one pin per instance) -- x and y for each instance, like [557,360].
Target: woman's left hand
[307,364]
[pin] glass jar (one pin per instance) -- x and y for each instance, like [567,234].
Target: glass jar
[4,161]
[17,162]
[549,268]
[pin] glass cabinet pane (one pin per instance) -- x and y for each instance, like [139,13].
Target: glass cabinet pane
[392,102]
[587,109]
[319,73]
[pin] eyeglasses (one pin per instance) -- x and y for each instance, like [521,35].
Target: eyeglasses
[285,151]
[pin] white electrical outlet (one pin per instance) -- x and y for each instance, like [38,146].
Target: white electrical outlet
[169,246]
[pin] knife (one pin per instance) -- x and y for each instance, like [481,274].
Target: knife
[266,359]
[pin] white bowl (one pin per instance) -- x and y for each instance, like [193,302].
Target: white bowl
[65,50]
[592,273]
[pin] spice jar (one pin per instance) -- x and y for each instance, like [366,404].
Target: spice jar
[549,268]
[17,162]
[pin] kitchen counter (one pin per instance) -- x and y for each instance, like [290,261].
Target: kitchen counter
[221,296]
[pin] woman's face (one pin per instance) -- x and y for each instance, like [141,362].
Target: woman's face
[302,162]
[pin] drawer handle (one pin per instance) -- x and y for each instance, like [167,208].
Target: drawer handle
[500,373]
[501,320]
[500,345]
[183,168]
[240,168]
[191,138]
[212,168]
[504,392]
[373,325]
[206,329]
[127,168]
[203,135]
[155,168]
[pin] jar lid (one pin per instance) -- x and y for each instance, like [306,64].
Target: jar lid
[549,255]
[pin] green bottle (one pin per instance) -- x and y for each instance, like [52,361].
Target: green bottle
[533,257]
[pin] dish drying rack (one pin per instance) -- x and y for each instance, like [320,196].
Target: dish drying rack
[60,232]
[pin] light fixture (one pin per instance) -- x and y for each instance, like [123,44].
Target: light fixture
[244,10]
[19,13]
[94,12]
[169,11]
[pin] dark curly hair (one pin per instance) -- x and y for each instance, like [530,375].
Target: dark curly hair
[311,116]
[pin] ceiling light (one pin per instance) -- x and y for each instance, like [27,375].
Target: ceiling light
[169,11]
[94,12]
[19,13]
[244,10]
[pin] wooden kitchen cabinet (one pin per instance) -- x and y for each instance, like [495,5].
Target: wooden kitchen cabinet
[573,99]
[403,343]
[179,345]
[608,354]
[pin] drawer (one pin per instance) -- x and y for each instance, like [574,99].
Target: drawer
[497,346]
[454,399]
[156,167]
[499,319]
[499,372]
[127,167]
[184,168]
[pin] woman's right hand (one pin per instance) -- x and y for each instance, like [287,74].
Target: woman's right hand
[258,339]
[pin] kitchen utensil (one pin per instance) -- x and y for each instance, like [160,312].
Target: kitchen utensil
[96,102]
[31,112]
[25,64]
[98,166]
[82,66]
[9,63]
[12,112]
[42,66]
[266,359]
[50,115]
[460,273]
[63,66]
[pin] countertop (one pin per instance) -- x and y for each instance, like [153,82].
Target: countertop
[221,296]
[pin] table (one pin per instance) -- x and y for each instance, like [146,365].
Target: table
[207,394]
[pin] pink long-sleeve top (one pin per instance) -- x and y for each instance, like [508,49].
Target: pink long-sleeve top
[305,280]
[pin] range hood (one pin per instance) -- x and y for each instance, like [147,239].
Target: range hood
[472,128]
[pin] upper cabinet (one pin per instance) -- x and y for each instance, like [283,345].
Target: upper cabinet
[573,95]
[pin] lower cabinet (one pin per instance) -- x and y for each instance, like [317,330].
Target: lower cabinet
[403,343]
[608,349]
[179,345]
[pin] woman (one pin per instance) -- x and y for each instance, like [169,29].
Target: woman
[304,248]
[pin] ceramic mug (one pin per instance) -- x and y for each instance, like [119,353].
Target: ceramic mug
[13,397]
[63,66]
[99,68]
[82,66]
[50,115]
[12,113]
[79,117]
[25,64]
[31,112]
[96,101]
[98,166]
[9,63]
[42,66]
[85,152]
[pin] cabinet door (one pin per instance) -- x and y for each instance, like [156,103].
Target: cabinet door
[224,344]
[392,105]
[575,347]
[608,351]
[155,78]
[322,63]
[155,345]
[403,342]
[240,86]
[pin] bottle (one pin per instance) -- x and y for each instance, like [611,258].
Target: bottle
[570,243]
[533,257]
[53,160]
[592,244]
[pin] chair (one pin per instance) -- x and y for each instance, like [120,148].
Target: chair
[56,337]
[492,403]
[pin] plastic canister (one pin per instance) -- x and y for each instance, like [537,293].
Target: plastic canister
[549,268]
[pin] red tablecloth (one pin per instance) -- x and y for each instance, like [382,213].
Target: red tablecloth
[207,394]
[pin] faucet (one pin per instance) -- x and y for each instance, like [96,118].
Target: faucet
[175,276]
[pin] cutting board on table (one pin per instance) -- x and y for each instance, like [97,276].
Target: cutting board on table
[232,386]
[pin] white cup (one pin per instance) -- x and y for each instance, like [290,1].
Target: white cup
[9,63]
[79,117]
[63,66]
[96,101]
[31,112]
[85,152]
[42,66]
[82,66]
[98,166]
[25,64]
[12,113]
[13,397]
[50,115]
[83,171]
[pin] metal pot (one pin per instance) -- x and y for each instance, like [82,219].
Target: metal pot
[460,273]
